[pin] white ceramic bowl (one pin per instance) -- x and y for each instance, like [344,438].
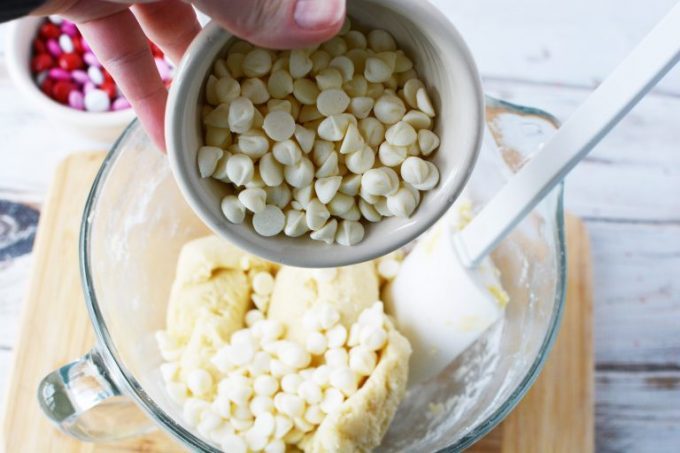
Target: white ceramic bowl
[445,65]
[105,126]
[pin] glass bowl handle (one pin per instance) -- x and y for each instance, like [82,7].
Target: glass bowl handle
[82,400]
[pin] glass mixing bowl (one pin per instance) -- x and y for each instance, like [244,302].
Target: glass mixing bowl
[135,224]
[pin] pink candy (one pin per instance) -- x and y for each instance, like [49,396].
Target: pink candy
[59,74]
[53,47]
[76,100]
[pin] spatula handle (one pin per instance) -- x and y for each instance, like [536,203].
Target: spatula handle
[605,107]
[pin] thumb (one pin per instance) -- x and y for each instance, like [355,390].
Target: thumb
[278,23]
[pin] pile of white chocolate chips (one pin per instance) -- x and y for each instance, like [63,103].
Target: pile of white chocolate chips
[318,139]
[268,389]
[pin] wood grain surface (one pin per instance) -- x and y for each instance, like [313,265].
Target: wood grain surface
[556,413]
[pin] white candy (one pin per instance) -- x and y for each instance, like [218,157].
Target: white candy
[336,358]
[389,109]
[296,223]
[427,141]
[373,338]
[418,120]
[291,382]
[362,360]
[97,101]
[271,171]
[314,414]
[316,343]
[93,72]
[240,169]
[287,152]
[260,405]
[255,90]
[329,78]
[265,385]
[401,134]
[292,354]
[353,140]
[361,106]
[360,161]
[332,400]
[257,63]
[240,116]
[336,336]
[381,206]
[326,233]
[253,316]
[332,101]
[300,63]
[388,268]
[305,91]
[263,283]
[380,181]
[199,381]
[233,209]
[391,155]
[270,221]
[345,380]
[253,199]
[207,158]
[272,329]
[300,174]
[421,174]
[317,215]
[291,405]
[310,391]
[333,128]
[305,138]
[279,126]
[402,203]
[280,84]
[349,233]
[368,211]
[423,102]
[283,426]
[326,188]
[321,374]
[381,41]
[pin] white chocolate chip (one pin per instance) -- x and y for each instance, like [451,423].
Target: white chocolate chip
[381,41]
[317,215]
[389,109]
[253,143]
[326,188]
[309,113]
[316,343]
[368,211]
[424,103]
[257,63]
[427,141]
[199,381]
[344,65]
[377,71]
[255,90]
[253,199]
[296,223]
[241,112]
[418,120]
[353,140]
[326,233]
[411,88]
[402,203]
[287,152]
[421,174]
[360,161]
[402,63]
[269,222]
[372,337]
[303,195]
[300,174]
[207,158]
[340,204]
[362,360]
[391,155]
[240,169]
[235,64]
[292,354]
[335,46]
[361,106]
[217,136]
[372,130]
[305,91]
[320,60]
[345,380]
[279,126]
[219,117]
[350,184]
[333,128]
[380,181]
[332,101]
[356,40]
[271,170]
[329,78]
[280,84]
[300,64]
[349,233]
[278,195]
[232,209]
[401,134]
[336,336]
[305,138]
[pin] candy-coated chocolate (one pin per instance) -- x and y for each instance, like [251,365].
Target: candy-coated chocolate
[42,62]
[61,91]
[70,61]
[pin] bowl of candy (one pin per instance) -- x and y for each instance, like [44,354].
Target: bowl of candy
[55,69]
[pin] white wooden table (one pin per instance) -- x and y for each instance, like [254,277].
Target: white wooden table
[542,53]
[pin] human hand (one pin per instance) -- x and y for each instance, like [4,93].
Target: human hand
[117,34]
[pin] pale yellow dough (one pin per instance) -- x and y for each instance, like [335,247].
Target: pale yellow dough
[211,295]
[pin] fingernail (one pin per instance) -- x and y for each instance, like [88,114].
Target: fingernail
[319,14]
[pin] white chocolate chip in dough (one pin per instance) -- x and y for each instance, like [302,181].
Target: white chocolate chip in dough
[326,188]
[332,101]
[232,209]
[380,181]
[253,199]
[401,134]
[349,233]
[428,141]
[208,157]
[241,112]
[279,126]
[317,215]
[269,222]
[240,169]
[326,233]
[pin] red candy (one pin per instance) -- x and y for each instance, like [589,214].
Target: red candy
[61,90]
[42,62]
[39,46]
[49,31]
[47,86]
[70,61]
[110,89]
[77,45]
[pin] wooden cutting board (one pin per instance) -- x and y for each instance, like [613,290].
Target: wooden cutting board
[556,415]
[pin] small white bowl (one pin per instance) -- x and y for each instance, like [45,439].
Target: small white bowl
[443,62]
[106,126]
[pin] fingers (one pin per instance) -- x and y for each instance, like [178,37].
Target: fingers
[278,23]
[122,48]
[171,24]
